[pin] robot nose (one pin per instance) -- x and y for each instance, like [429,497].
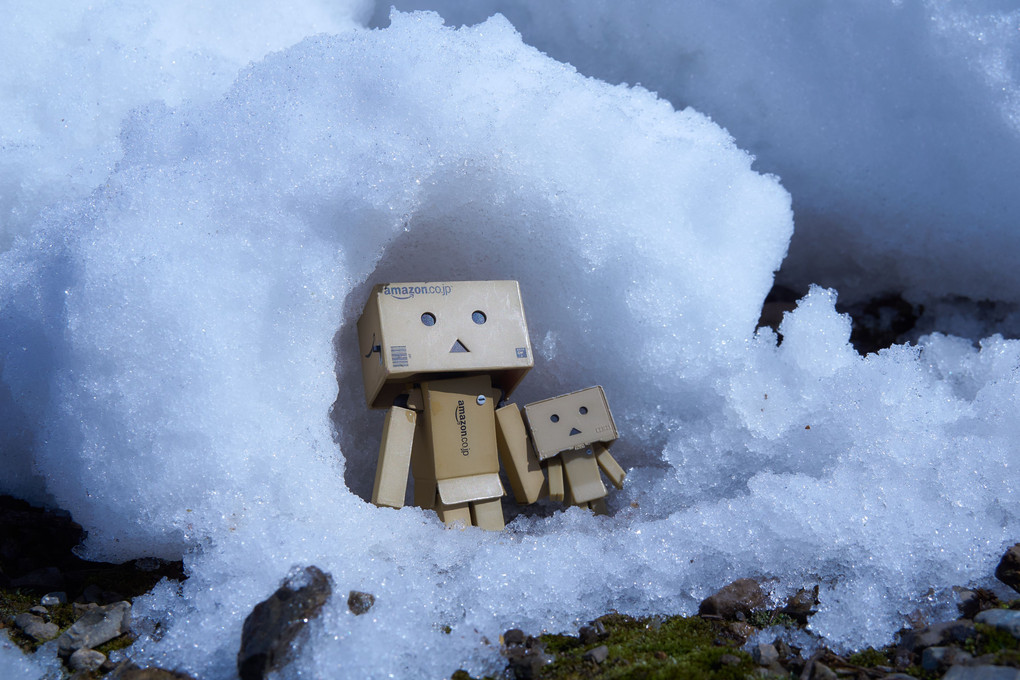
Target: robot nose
[574,431]
[458,346]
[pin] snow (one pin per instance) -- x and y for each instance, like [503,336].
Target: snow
[180,278]
[894,124]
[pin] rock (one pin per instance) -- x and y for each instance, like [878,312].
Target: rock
[1008,570]
[598,655]
[939,658]
[898,676]
[274,623]
[86,660]
[129,671]
[939,634]
[764,654]
[972,602]
[53,599]
[822,672]
[359,602]
[514,636]
[742,630]
[525,655]
[95,627]
[741,596]
[34,627]
[801,605]
[982,673]
[1003,619]
[39,610]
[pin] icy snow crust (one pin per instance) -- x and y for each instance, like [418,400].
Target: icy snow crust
[895,124]
[179,367]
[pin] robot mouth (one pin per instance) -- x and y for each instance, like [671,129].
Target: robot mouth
[574,431]
[458,347]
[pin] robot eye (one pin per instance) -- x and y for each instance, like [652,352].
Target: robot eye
[478,317]
[555,418]
[583,410]
[428,318]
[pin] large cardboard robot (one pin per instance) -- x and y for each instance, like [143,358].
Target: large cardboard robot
[440,356]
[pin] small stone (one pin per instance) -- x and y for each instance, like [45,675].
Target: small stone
[972,602]
[743,596]
[934,658]
[86,660]
[514,636]
[129,671]
[801,605]
[662,656]
[822,672]
[764,654]
[587,635]
[782,648]
[97,626]
[273,624]
[525,661]
[39,610]
[598,655]
[359,602]
[742,630]
[725,660]
[35,628]
[898,676]
[1008,570]
[939,634]
[53,599]
[1003,619]
[982,673]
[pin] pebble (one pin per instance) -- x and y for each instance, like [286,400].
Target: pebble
[273,624]
[741,596]
[53,599]
[35,628]
[765,654]
[359,602]
[822,672]
[1008,570]
[39,610]
[937,658]
[598,655]
[982,673]
[1003,619]
[97,626]
[86,660]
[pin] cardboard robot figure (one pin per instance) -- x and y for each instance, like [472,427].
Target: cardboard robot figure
[441,356]
[572,434]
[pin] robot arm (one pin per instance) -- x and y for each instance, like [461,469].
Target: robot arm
[394,457]
[609,465]
[518,457]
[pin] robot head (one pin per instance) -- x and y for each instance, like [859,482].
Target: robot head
[571,421]
[412,332]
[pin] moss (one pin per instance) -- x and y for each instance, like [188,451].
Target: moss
[650,649]
[116,644]
[764,618]
[869,658]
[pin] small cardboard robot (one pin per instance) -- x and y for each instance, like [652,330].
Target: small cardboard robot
[441,356]
[572,434]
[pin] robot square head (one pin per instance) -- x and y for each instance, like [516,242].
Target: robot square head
[413,332]
[571,421]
